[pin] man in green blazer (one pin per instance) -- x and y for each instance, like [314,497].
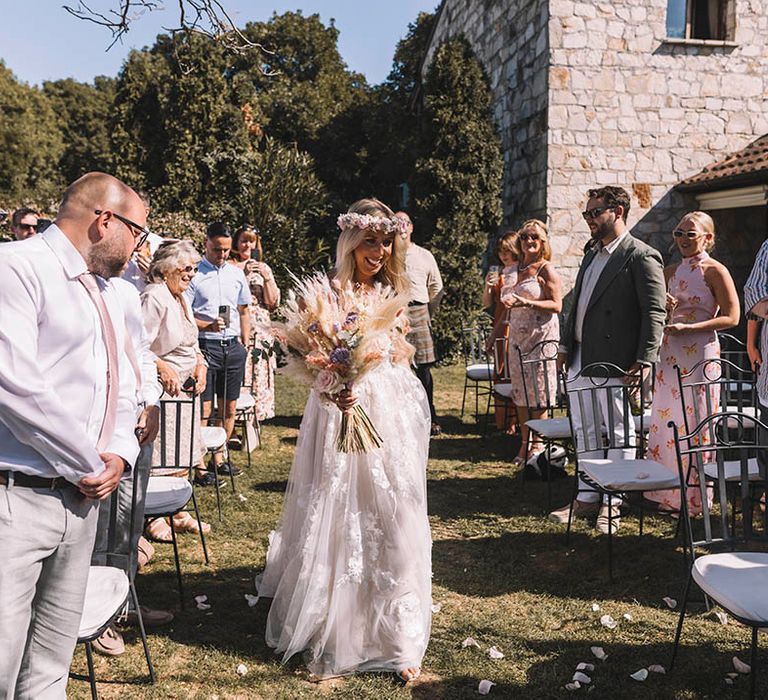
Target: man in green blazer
[617,317]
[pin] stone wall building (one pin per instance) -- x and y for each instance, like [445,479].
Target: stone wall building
[638,93]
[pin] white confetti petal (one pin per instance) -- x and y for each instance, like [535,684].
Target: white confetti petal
[642,475]
[437,607]
[573,686]
[740,666]
[241,497]
[732,675]
[252,599]
[201,598]
[671,602]
[628,617]
[242,669]
[469,642]
[494,653]
[657,668]
[729,681]
[609,622]
[580,677]
[583,666]
[203,606]
[484,687]
[640,675]
[595,607]
[599,653]
[722,617]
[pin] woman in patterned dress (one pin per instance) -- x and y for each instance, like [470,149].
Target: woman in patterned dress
[534,300]
[701,299]
[260,368]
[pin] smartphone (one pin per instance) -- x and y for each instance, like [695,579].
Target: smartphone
[255,255]
[224,313]
[189,384]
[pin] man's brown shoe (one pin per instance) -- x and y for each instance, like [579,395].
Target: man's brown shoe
[581,509]
[150,617]
[603,520]
[110,643]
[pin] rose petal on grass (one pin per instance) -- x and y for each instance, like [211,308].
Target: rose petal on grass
[437,607]
[740,666]
[203,606]
[729,681]
[494,653]
[599,653]
[671,602]
[251,599]
[595,607]
[469,642]
[583,666]
[241,497]
[201,598]
[580,677]
[732,675]
[722,617]
[627,617]
[657,668]
[573,686]
[242,669]
[640,675]
[609,622]
[484,687]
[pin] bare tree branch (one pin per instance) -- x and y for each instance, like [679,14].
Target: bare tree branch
[207,18]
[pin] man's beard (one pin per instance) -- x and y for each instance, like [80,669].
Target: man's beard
[107,258]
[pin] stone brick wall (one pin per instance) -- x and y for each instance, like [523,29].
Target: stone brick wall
[510,39]
[627,107]
[591,93]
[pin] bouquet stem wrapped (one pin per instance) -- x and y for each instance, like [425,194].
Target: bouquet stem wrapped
[357,434]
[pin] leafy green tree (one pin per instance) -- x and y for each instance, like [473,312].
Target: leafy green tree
[457,181]
[30,144]
[83,111]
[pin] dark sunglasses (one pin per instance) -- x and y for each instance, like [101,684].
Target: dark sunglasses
[188,269]
[594,213]
[141,236]
[529,237]
[679,233]
[28,227]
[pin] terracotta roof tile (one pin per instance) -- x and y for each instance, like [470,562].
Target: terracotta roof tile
[748,163]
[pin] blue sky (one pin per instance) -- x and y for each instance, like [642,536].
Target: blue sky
[40,41]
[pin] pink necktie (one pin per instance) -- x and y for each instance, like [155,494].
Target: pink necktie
[88,281]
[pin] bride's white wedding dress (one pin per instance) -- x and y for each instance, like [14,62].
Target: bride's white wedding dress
[349,568]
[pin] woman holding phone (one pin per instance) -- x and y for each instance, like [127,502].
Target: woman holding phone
[247,254]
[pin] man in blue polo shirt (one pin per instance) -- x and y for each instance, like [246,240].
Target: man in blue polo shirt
[220,296]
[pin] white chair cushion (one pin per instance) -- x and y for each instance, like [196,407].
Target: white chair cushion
[733,470]
[737,581]
[245,401]
[166,494]
[750,411]
[504,390]
[480,372]
[551,428]
[213,438]
[629,474]
[105,594]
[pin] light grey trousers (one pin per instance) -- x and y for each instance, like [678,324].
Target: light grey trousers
[46,539]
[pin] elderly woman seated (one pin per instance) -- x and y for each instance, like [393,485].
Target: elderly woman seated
[172,334]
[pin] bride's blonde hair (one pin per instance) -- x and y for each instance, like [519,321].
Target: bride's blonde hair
[392,272]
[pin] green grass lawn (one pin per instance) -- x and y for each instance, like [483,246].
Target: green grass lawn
[502,575]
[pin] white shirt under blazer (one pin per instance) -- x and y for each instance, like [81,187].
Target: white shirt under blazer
[53,363]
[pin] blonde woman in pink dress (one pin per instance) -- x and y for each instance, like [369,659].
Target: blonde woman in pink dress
[534,299]
[701,299]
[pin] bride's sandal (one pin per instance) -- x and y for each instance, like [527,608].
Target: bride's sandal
[409,674]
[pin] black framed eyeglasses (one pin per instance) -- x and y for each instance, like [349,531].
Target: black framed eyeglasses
[141,236]
[529,237]
[679,233]
[595,212]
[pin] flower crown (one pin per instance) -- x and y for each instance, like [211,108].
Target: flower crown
[377,223]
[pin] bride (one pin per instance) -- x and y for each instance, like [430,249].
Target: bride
[349,567]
